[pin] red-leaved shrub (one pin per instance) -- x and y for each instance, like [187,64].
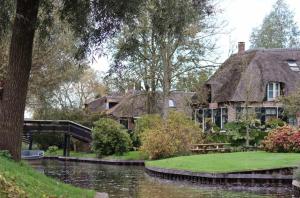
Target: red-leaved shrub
[282,139]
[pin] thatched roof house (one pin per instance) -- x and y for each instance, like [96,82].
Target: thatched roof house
[246,76]
[255,77]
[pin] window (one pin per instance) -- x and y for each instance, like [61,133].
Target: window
[293,65]
[208,117]
[273,90]
[292,121]
[124,122]
[112,104]
[172,103]
[271,112]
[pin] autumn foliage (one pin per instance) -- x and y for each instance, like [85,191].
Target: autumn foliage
[170,137]
[282,139]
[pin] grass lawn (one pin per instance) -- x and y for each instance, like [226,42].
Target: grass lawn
[60,152]
[228,162]
[21,177]
[131,155]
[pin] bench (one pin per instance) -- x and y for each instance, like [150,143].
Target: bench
[212,147]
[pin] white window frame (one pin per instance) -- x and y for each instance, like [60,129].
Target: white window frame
[275,92]
[293,65]
[172,103]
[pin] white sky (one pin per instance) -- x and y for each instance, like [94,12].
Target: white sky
[241,15]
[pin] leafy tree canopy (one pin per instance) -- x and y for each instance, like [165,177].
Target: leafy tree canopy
[278,30]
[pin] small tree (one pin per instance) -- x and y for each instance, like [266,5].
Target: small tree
[244,133]
[110,137]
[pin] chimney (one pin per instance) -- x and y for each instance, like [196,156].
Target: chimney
[241,47]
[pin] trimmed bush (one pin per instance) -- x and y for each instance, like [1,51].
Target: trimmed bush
[110,137]
[282,139]
[171,137]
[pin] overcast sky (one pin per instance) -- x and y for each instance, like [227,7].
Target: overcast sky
[242,16]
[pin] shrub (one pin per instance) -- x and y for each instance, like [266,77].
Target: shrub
[282,139]
[52,149]
[274,123]
[144,123]
[110,137]
[218,137]
[170,137]
[5,153]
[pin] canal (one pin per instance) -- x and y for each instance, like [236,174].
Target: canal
[132,181]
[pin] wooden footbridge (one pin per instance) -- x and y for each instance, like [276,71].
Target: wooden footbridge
[68,128]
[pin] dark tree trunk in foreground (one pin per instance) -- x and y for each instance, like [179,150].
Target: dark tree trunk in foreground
[12,105]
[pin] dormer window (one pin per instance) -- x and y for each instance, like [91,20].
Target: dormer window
[293,65]
[273,90]
[172,103]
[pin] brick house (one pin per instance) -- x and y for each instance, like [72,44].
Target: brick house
[254,78]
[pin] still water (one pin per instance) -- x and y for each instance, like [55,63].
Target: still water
[132,181]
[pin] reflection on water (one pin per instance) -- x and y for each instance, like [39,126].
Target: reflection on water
[132,181]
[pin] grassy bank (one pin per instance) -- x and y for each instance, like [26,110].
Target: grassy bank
[72,154]
[20,180]
[131,155]
[229,162]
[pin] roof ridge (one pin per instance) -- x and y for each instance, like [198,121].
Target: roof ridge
[273,49]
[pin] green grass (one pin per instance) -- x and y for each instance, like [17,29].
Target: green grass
[72,154]
[131,155]
[228,162]
[21,176]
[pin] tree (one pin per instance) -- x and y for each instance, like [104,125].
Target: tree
[170,39]
[278,30]
[92,22]
[192,81]
[53,65]
[75,92]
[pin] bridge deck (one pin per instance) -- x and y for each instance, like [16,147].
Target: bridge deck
[76,130]
[69,128]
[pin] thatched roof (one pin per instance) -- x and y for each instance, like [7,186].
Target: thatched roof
[98,105]
[135,104]
[246,75]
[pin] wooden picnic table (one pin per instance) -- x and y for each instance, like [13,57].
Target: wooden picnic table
[204,148]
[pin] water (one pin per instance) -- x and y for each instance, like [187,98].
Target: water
[132,181]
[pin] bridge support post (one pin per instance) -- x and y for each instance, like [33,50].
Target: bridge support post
[66,145]
[30,142]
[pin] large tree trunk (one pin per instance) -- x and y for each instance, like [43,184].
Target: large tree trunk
[166,79]
[12,105]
